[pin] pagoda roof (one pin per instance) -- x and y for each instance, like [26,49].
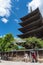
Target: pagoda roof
[30,14]
[31,19]
[32,32]
[31,26]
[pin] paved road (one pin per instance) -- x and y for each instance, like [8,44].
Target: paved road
[18,63]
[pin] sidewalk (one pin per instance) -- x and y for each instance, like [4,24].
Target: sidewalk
[18,63]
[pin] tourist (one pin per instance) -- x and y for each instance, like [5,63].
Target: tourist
[34,57]
[26,57]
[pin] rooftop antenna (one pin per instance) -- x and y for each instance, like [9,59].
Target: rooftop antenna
[30,9]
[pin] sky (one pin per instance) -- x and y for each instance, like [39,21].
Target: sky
[12,10]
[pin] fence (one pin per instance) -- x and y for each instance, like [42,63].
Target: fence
[19,54]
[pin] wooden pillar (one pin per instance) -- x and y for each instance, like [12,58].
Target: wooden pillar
[37,54]
[30,57]
[8,54]
[12,54]
[16,55]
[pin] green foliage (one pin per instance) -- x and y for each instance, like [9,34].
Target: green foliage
[32,43]
[7,43]
[1,41]
[16,47]
[8,38]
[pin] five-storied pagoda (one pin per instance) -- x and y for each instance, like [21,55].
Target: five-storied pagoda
[32,25]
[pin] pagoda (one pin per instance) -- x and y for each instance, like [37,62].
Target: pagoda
[32,25]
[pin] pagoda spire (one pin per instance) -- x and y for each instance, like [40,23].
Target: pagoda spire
[30,9]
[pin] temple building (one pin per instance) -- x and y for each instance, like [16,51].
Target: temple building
[32,25]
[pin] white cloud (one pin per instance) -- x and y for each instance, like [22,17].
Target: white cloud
[17,0]
[16,20]
[34,4]
[17,8]
[4,20]
[5,7]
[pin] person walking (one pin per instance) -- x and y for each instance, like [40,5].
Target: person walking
[26,57]
[34,56]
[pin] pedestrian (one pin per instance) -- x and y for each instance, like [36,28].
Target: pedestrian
[26,57]
[34,56]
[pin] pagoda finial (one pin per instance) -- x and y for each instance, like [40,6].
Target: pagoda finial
[30,9]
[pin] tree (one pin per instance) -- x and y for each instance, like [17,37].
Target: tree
[33,42]
[1,41]
[7,40]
